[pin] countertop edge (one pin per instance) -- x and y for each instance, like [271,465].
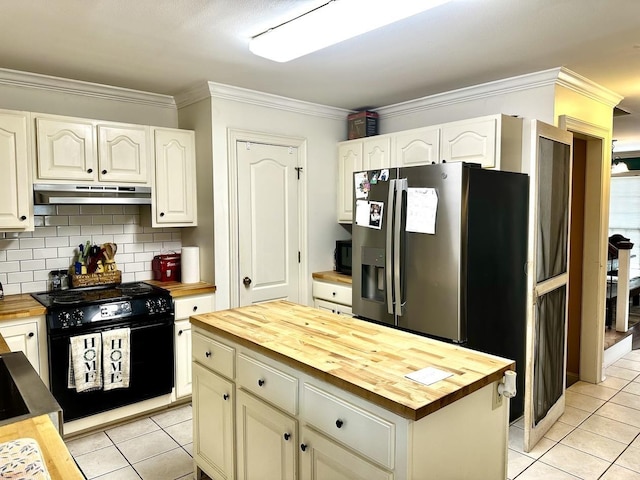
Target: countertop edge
[379,400]
[332,276]
[178,289]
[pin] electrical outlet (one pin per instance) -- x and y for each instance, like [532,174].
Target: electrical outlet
[497,398]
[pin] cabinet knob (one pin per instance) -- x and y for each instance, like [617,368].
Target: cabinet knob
[333,293]
[23,218]
[207,354]
[339,423]
[260,383]
[89,170]
[246,281]
[195,307]
[162,214]
[303,447]
[31,334]
[287,436]
[104,172]
[225,396]
[179,332]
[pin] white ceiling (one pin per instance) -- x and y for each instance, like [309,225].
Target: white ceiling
[167,46]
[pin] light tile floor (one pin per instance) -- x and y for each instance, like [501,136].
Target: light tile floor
[152,448]
[597,437]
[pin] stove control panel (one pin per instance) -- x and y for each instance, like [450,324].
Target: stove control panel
[113,310]
[70,318]
[157,305]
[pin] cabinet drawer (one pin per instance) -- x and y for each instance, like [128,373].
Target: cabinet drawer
[332,292]
[185,307]
[212,354]
[268,383]
[349,425]
[333,307]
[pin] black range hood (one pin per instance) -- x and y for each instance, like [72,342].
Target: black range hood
[64,194]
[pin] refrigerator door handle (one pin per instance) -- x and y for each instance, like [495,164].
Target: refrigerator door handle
[401,186]
[389,243]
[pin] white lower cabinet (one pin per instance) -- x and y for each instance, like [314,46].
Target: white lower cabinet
[332,297]
[28,335]
[339,437]
[332,307]
[184,307]
[213,425]
[267,440]
[324,459]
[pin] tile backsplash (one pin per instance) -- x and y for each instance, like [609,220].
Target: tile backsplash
[27,258]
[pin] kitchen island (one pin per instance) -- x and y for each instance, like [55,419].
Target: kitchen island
[284,388]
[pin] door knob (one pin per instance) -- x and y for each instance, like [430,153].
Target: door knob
[246,281]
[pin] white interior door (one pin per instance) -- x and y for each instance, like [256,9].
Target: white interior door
[268,234]
[550,215]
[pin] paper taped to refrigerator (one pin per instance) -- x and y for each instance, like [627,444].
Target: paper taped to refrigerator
[369,214]
[422,207]
[362,185]
[428,376]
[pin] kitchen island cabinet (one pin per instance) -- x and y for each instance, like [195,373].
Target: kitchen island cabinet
[339,390]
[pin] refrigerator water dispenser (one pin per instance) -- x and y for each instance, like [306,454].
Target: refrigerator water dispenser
[373,274]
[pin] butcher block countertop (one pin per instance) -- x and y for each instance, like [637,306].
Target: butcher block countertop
[361,357]
[332,276]
[4,348]
[57,458]
[178,289]
[23,305]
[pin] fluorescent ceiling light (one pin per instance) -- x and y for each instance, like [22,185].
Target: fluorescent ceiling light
[332,23]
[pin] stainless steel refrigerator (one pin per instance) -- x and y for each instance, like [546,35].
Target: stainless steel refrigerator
[441,250]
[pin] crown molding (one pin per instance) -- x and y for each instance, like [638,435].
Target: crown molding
[559,76]
[252,97]
[584,86]
[49,83]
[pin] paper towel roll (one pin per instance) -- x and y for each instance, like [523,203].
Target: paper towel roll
[190,265]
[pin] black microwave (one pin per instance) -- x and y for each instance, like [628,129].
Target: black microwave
[343,256]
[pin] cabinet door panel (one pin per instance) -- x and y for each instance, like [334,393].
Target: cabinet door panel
[349,161]
[123,153]
[323,459]
[15,184]
[377,153]
[175,178]
[213,437]
[183,358]
[470,142]
[267,440]
[23,338]
[417,147]
[66,150]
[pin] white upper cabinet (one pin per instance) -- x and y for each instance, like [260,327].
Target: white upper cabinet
[91,151]
[349,161]
[16,201]
[174,204]
[123,153]
[376,152]
[420,146]
[494,142]
[66,149]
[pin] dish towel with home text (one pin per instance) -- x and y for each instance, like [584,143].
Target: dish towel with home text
[85,362]
[115,358]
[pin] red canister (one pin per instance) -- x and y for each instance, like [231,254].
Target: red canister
[166,268]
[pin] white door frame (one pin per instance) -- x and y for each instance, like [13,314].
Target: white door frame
[234,136]
[594,261]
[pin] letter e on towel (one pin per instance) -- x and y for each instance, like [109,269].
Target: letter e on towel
[116,358]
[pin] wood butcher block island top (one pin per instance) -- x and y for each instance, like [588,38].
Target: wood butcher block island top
[361,357]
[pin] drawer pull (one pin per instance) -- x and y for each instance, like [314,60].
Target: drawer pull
[195,307]
[261,383]
[303,447]
[287,436]
[179,332]
[333,293]
[31,334]
[339,423]
[207,354]
[225,396]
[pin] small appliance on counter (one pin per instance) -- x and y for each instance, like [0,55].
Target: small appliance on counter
[343,256]
[166,268]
